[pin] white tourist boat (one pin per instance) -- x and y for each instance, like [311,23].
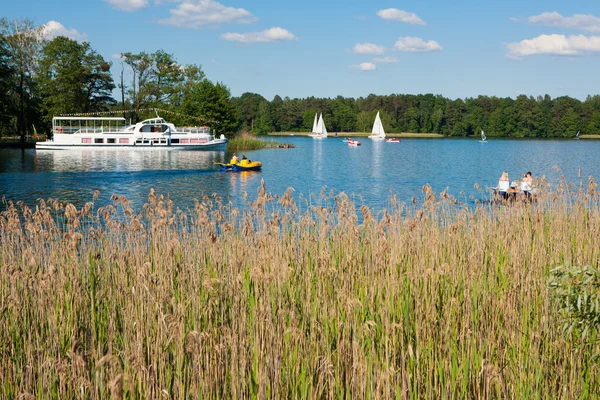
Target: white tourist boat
[107,132]
[377,133]
[319,130]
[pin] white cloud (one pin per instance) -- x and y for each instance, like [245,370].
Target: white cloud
[586,22]
[416,45]
[270,35]
[574,45]
[52,29]
[366,66]
[368,48]
[128,5]
[198,13]
[386,60]
[393,14]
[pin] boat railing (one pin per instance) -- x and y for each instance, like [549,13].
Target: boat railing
[194,129]
[76,129]
[110,129]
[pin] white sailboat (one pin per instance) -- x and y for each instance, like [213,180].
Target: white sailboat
[314,128]
[483,138]
[320,132]
[378,133]
[577,135]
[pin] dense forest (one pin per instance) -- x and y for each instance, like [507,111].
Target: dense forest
[42,78]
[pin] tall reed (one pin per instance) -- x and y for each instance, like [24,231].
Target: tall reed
[291,299]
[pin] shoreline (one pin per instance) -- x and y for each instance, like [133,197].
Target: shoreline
[365,134]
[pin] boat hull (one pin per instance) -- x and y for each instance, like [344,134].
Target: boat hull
[250,167]
[377,137]
[216,146]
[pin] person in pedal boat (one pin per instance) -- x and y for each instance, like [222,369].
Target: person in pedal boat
[513,190]
[234,159]
[244,161]
[526,185]
[503,185]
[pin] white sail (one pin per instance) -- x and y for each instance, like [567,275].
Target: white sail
[378,132]
[321,130]
[483,138]
[577,135]
[314,128]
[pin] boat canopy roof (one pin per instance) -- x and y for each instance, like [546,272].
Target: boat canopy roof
[89,119]
[154,121]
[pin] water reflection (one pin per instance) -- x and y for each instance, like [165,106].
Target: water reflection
[317,161]
[93,160]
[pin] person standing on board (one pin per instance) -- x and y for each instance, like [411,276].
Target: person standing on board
[503,185]
[526,185]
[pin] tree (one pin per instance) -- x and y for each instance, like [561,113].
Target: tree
[6,106]
[166,78]
[22,41]
[74,78]
[141,66]
[212,102]
[249,104]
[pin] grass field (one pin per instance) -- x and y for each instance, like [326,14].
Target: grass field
[288,299]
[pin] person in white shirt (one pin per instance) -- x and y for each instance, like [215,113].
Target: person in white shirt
[503,185]
[526,185]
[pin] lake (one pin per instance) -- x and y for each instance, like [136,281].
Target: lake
[371,172]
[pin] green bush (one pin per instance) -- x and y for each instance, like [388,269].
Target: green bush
[577,291]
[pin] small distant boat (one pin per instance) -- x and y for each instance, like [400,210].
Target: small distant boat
[577,135]
[346,140]
[319,131]
[393,140]
[291,134]
[378,133]
[352,142]
[483,137]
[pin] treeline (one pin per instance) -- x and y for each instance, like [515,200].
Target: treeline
[524,116]
[42,78]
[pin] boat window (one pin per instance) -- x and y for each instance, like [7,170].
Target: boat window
[98,141]
[111,140]
[174,141]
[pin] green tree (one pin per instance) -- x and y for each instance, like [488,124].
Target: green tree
[141,68]
[22,42]
[166,78]
[213,103]
[7,110]
[74,78]
[264,121]
[249,104]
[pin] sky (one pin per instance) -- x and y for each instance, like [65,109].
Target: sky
[350,48]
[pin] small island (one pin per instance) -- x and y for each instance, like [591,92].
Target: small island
[249,141]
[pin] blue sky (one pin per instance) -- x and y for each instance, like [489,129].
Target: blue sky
[349,48]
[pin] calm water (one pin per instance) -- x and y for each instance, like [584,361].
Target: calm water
[372,172]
